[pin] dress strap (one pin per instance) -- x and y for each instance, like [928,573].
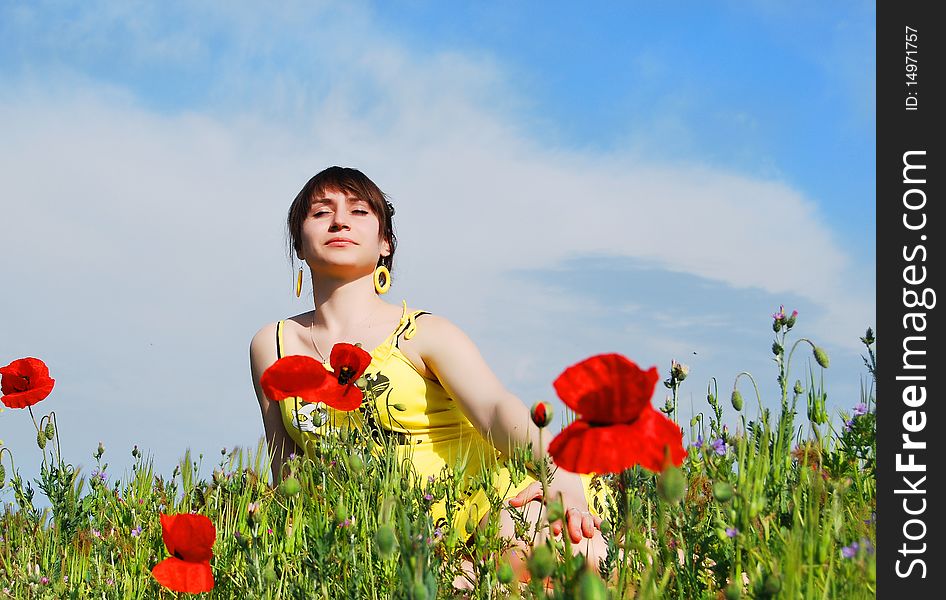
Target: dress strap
[410,327]
[279,343]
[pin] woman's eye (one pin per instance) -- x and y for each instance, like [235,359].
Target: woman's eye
[360,211]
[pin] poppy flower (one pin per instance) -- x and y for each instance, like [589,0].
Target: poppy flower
[348,364]
[25,382]
[189,539]
[294,376]
[617,426]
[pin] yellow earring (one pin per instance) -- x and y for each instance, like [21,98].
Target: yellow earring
[382,288]
[299,283]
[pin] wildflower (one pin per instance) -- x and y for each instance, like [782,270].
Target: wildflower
[44,580]
[790,320]
[678,371]
[136,531]
[848,424]
[348,364]
[345,523]
[860,409]
[541,414]
[617,425]
[780,315]
[25,382]
[699,442]
[850,551]
[269,530]
[428,497]
[868,339]
[731,532]
[96,533]
[431,479]
[253,513]
[719,446]
[189,539]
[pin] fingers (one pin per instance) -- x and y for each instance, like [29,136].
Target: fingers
[531,493]
[588,526]
[574,525]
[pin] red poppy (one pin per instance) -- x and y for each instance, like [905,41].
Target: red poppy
[348,364]
[617,427]
[189,539]
[25,382]
[294,376]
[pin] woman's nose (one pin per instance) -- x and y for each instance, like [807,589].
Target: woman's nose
[339,221]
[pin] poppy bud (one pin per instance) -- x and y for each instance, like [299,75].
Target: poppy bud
[469,526]
[50,430]
[541,562]
[3,476]
[341,510]
[385,541]
[591,587]
[355,464]
[772,584]
[241,540]
[672,485]
[253,513]
[821,357]
[711,399]
[41,440]
[290,487]
[722,491]
[736,400]
[269,574]
[542,414]
[694,420]
[798,388]
[505,573]
[420,591]
[555,511]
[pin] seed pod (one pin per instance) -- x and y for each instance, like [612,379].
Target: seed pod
[355,464]
[821,357]
[50,430]
[736,400]
[591,587]
[799,390]
[772,584]
[722,491]
[341,510]
[420,591]
[505,573]
[3,476]
[672,485]
[385,541]
[541,414]
[542,562]
[41,439]
[469,526]
[290,486]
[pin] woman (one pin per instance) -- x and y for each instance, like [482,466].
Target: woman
[340,225]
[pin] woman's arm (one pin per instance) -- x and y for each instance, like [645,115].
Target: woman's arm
[262,355]
[496,413]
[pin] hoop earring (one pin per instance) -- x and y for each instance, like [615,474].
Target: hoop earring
[299,283]
[382,288]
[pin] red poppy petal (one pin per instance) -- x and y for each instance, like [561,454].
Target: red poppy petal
[341,397]
[607,388]
[188,536]
[583,448]
[348,355]
[293,376]
[30,397]
[183,576]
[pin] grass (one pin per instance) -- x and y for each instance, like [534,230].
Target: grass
[769,508]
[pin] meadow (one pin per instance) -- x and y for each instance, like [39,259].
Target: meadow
[777,504]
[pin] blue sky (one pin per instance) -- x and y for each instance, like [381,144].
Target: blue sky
[626,177]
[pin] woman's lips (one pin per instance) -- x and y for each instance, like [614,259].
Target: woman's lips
[340,243]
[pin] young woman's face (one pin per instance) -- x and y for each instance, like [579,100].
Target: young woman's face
[340,235]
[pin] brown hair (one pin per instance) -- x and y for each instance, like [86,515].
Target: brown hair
[353,182]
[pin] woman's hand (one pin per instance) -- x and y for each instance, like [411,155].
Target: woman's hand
[580,523]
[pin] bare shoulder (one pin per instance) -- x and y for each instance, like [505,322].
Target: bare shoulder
[263,348]
[434,333]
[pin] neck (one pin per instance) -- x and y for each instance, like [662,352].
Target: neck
[341,305]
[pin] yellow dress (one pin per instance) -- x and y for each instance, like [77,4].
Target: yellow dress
[423,420]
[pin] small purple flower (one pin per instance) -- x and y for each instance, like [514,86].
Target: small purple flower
[269,530]
[780,315]
[438,533]
[109,581]
[44,580]
[699,442]
[65,579]
[848,424]
[100,475]
[345,523]
[431,479]
[136,531]
[719,446]
[731,532]
[867,545]
[860,409]
[96,533]
[850,551]
[428,497]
